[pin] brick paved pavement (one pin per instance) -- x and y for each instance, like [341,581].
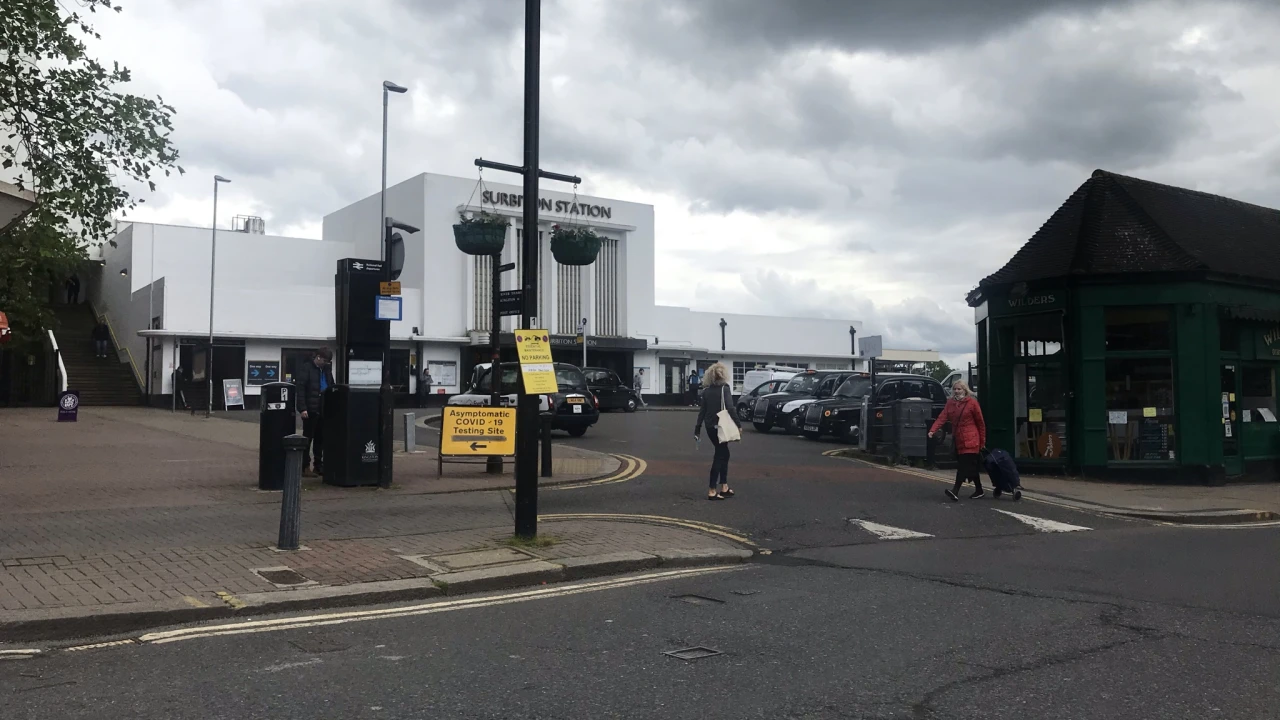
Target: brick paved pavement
[132,507]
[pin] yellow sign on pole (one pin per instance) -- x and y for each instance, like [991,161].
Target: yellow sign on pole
[534,349]
[478,430]
[389,288]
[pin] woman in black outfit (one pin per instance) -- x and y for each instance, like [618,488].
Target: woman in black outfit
[716,396]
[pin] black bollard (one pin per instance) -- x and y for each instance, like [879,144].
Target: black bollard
[546,446]
[291,499]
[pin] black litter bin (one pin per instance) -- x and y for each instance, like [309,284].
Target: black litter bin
[277,421]
[352,434]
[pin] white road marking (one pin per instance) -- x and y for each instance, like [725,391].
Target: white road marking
[887,532]
[1043,525]
[260,626]
[18,654]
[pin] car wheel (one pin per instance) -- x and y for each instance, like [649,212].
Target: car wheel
[793,424]
[577,432]
[631,405]
[762,427]
[813,435]
[744,413]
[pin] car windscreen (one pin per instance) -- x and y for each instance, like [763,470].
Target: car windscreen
[803,384]
[854,387]
[570,379]
[510,380]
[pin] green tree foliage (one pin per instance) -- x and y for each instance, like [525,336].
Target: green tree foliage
[937,370]
[70,135]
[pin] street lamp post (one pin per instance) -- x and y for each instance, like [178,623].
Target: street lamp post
[387,87]
[213,268]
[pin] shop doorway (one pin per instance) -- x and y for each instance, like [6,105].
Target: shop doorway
[1232,458]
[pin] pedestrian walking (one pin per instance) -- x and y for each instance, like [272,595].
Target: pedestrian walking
[101,338]
[693,388]
[424,387]
[970,432]
[713,410]
[637,384]
[312,380]
[73,290]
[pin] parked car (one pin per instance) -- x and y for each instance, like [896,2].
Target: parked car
[747,400]
[756,378]
[841,415]
[611,393]
[573,407]
[792,411]
[766,414]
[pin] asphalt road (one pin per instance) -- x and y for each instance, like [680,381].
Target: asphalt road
[981,614]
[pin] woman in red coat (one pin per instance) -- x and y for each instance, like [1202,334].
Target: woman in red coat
[970,430]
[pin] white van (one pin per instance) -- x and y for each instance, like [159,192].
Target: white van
[755,378]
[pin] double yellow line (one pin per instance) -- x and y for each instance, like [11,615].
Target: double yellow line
[631,468]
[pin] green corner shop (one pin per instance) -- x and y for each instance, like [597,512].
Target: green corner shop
[1136,336]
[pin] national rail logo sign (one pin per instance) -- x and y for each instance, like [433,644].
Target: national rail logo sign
[478,431]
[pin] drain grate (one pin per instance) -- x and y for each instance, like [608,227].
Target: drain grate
[282,576]
[693,653]
[698,600]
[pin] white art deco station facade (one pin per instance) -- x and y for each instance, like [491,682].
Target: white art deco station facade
[274,296]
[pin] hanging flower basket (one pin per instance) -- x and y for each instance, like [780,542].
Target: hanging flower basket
[481,234]
[574,245]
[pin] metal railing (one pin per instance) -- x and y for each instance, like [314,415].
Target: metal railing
[62,368]
[115,342]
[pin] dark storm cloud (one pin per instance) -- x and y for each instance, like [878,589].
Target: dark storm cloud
[908,26]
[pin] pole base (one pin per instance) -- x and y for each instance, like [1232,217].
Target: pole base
[493,465]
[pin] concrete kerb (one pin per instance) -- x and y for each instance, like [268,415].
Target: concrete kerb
[1233,516]
[87,623]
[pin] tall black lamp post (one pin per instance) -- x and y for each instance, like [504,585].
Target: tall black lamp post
[723,325]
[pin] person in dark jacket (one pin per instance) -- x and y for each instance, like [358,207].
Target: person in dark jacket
[970,430]
[101,338]
[716,396]
[312,380]
[693,389]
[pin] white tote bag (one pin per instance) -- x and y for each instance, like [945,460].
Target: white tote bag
[726,428]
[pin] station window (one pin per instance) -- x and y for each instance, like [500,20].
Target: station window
[1140,412]
[1138,329]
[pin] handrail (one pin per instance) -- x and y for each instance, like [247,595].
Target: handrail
[133,365]
[62,369]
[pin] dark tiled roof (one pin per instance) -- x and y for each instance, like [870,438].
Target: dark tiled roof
[1118,224]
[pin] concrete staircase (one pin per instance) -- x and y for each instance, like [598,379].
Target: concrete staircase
[99,381]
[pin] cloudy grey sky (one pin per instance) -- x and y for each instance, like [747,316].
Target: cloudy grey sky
[861,159]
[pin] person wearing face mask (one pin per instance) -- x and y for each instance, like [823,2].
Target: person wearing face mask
[312,380]
[970,431]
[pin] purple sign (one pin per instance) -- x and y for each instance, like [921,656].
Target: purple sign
[68,406]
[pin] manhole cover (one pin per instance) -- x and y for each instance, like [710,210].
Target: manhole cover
[693,653]
[698,600]
[282,576]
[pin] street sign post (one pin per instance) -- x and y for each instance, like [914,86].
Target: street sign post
[468,431]
[510,302]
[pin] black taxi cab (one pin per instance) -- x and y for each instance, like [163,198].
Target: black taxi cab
[573,408]
[768,410]
[840,416]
